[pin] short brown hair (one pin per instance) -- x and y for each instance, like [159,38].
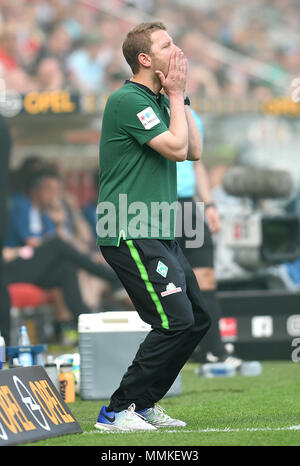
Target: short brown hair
[137,41]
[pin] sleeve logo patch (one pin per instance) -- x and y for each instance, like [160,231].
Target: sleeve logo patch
[148,118]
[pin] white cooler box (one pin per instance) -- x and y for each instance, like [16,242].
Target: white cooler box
[108,343]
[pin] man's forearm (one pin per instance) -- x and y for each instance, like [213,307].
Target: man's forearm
[194,136]
[173,144]
[178,122]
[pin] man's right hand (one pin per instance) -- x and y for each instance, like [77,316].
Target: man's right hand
[175,81]
[173,144]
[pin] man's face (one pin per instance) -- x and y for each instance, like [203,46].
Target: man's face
[161,50]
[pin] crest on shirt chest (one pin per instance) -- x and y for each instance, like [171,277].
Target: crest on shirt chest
[162,269]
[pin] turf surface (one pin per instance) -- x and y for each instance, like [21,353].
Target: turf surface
[262,410]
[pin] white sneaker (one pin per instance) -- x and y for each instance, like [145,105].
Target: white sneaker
[157,417]
[127,420]
[227,359]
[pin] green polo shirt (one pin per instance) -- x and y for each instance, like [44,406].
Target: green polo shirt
[138,186]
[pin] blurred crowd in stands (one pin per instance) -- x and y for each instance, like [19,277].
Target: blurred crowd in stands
[238,48]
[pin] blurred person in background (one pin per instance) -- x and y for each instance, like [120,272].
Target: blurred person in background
[49,76]
[28,221]
[57,45]
[225,264]
[84,67]
[192,182]
[20,180]
[5,142]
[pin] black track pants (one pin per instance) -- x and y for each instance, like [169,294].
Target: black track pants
[165,293]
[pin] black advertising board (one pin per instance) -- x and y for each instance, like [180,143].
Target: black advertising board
[31,408]
[261,324]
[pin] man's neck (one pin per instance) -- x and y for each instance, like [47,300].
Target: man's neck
[152,83]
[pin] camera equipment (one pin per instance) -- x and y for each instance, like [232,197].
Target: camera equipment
[260,235]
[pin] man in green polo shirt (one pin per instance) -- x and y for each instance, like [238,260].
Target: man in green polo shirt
[128,165]
[144,133]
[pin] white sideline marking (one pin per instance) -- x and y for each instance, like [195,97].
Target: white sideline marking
[200,431]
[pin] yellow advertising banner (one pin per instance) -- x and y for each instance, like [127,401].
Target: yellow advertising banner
[31,408]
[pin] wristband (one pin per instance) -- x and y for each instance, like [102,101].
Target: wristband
[187,101]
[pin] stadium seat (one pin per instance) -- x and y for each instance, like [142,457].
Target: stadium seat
[27,295]
[27,302]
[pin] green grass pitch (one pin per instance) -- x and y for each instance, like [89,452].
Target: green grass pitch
[258,411]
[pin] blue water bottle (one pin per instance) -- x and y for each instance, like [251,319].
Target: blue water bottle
[25,356]
[2,351]
[216,369]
